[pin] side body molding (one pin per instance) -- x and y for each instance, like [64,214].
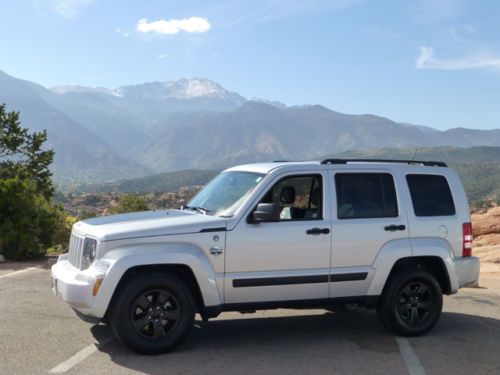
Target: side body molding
[125,257]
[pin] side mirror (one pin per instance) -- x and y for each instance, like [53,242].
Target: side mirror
[269,212]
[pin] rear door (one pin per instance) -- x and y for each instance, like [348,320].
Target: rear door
[367,214]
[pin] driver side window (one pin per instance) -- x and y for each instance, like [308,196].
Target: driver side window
[299,197]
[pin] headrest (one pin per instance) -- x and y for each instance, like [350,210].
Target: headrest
[287,195]
[315,196]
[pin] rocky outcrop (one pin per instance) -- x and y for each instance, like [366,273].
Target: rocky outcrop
[486,229]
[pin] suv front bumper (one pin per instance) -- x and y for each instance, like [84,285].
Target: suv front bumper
[75,286]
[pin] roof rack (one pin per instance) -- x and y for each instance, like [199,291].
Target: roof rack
[410,162]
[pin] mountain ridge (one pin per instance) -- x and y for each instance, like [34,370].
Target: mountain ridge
[148,129]
[478,168]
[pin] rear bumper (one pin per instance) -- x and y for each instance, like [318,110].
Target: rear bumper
[467,270]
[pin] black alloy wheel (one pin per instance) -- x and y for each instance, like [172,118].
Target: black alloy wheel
[152,313]
[155,313]
[411,303]
[415,303]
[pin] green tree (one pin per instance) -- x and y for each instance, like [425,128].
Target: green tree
[129,203]
[27,217]
[21,153]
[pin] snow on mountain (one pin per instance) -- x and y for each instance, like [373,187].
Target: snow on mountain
[160,91]
[180,89]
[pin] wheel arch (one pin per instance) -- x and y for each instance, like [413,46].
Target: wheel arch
[187,263]
[433,264]
[429,253]
[181,271]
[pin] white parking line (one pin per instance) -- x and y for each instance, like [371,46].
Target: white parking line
[79,356]
[411,360]
[20,271]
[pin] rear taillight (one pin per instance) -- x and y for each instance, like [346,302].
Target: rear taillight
[466,239]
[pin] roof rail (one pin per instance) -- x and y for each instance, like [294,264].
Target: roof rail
[410,162]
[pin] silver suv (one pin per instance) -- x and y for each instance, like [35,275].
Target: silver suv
[389,234]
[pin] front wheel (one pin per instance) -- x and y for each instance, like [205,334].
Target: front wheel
[412,303]
[153,313]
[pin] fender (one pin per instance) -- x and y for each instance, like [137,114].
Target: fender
[393,251]
[125,257]
[438,247]
[388,255]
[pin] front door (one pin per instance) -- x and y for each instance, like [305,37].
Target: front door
[288,259]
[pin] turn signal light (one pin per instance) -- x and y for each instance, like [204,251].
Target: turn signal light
[97,285]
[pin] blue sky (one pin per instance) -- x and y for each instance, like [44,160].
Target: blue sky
[429,62]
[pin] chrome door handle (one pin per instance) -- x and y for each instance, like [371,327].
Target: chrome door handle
[216,250]
[393,227]
[315,231]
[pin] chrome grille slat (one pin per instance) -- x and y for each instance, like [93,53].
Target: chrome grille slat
[75,249]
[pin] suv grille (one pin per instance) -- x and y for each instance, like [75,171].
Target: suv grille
[75,251]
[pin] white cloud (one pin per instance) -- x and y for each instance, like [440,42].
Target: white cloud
[69,8]
[173,26]
[161,55]
[123,33]
[456,33]
[426,60]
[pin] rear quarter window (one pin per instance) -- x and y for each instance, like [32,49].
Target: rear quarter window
[430,195]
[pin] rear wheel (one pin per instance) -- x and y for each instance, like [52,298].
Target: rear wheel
[153,313]
[412,303]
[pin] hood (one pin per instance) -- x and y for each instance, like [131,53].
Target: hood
[147,224]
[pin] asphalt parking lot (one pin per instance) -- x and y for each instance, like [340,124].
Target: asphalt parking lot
[40,334]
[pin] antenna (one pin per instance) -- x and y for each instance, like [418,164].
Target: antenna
[413,155]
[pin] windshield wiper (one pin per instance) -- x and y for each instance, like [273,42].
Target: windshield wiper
[203,210]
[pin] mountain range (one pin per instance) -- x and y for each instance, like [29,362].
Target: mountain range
[103,134]
[478,168]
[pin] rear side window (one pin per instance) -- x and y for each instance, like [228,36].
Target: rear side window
[431,195]
[365,195]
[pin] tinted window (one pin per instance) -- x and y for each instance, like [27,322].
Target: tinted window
[431,195]
[300,197]
[365,195]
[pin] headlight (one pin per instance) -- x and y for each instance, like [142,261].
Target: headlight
[89,252]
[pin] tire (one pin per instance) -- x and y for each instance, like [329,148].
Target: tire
[153,313]
[411,303]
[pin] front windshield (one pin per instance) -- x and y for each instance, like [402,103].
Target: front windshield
[225,193]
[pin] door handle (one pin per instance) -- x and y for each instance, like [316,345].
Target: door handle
[316,231]
[393,227]
[215,250]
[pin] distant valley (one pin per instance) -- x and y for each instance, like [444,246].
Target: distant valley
[103,135]
[478,168]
